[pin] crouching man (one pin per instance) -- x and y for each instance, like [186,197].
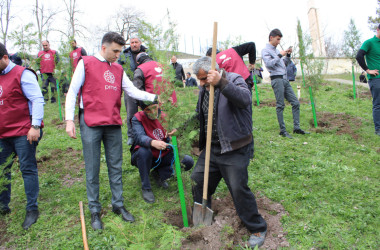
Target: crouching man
[231,144]
[150,150]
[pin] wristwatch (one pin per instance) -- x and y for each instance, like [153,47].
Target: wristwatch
[36,127]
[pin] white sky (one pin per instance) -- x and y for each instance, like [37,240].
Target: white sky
[250,19]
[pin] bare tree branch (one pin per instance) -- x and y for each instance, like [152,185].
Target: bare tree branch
[5,19]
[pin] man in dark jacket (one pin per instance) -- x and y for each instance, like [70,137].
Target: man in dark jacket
[231,143]
[150,152]
[128,58]
[190,81]
[179,73]
[291,70]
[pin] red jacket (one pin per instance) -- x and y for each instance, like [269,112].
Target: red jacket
[232,62]
[47,64]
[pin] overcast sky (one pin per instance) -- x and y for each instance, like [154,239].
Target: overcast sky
[250,19]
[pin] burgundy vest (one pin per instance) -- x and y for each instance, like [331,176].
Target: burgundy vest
[232,62]
[14,109]
[153,72]
[154,130]
[101,92]
[74,57]
[47,64]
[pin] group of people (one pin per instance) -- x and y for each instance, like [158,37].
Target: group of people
[99,82]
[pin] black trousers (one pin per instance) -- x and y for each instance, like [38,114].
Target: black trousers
[46,78]
[232,167]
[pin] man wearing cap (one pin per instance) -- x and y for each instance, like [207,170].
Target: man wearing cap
[232,60]
[21,112]
[368,58]
[190,81]
[102,81]
[150,151]
[147,74]
[276,63]
[231,148]
[48,60]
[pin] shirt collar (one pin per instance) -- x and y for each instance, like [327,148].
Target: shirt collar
[8,68]
[100,58]
[270,46]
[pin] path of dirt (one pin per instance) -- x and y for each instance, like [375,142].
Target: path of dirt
[272,102]
[349,82]
[227,230]
[341,122]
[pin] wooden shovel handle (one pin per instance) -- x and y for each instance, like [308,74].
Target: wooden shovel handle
[210,116]
[84,235]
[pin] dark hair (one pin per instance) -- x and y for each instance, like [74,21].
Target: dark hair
[274,33]
[3,51]
[113,37]
[209,52]
[46,41]
[141,57]
[188,73]
[75,41]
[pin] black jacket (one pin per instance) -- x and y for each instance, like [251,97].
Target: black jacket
[233,113]
[179,73]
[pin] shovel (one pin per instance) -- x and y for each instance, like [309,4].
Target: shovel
[202,215]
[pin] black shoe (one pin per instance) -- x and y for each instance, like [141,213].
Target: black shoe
[96,222]
[30,218]
[5,211]
[127,216]
[286,134]
[160,182]
[53,101]
[148,195]
[300,131]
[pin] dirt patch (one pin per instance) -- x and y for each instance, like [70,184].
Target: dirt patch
[3,231]
[227,230]
[341,122]
[266,103]
[378,150]
[56,162]
[364,94]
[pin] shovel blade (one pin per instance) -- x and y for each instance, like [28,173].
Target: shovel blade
[202,215]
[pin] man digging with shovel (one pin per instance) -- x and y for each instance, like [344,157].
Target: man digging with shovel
[231,144]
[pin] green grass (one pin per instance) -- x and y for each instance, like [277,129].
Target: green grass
[328,183]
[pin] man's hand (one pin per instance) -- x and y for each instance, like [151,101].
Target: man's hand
[374,72]
[171,133]
[213,77]
[283,52]
[33,135]
[70,128]
[251,67]
[159,145]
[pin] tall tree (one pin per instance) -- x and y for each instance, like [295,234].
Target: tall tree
[74,25]
[127,21]
[44,19]
[5,19]
[373,21]
[351,42]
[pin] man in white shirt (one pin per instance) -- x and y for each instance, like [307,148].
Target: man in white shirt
[101,82]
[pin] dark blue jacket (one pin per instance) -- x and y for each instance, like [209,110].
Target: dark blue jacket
[233,113]
[127,57]
[191,82]
[291,70]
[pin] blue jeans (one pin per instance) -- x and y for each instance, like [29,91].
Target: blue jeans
[92,137]
[143,159]
[374,86]
[232,167]
[26,152]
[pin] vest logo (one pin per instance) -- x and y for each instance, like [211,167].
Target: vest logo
[75,54]
[109,77]
[158,134]
[47,56]
[222,56]
[158,69]
[1,91]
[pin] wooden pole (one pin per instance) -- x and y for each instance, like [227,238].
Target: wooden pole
[84,235]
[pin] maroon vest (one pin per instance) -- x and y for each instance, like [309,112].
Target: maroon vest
[153,73]
[74,57]
[154,130]
[14,109]
[232,62]
[47,64]
[101,92]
